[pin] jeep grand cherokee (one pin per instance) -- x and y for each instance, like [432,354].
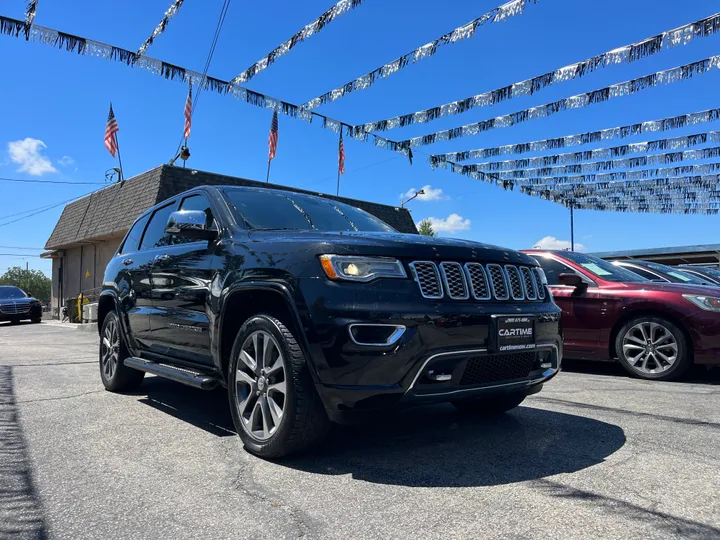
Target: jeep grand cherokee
[310,310]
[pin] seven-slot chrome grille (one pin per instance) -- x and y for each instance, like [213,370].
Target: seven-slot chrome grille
[477,281]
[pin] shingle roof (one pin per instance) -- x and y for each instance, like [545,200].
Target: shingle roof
[114,208]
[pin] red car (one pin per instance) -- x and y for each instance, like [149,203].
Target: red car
[656,330]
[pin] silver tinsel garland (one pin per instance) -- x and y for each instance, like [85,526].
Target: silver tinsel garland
[160,28]
[598,166]
[622,55]
[314,27]
[674,143]
[466,31]
[622,132]
[626,88]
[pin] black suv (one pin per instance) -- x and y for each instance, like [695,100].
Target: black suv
[309,310]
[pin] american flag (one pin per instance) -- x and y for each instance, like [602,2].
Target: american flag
[188,114]
[273,138]
[111,128]
[341,157]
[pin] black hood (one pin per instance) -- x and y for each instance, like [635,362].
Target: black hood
[393,244]
[18,301]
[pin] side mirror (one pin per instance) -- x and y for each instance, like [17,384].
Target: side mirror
[190,224]
[573,280]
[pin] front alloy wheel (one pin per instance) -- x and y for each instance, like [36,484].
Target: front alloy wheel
[261,387]
[653,348]
[274,405]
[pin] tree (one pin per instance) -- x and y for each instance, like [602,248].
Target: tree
[32,281]
[426,228]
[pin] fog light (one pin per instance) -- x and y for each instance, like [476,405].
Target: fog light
[439,377]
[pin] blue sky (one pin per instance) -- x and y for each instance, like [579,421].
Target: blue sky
[62,99]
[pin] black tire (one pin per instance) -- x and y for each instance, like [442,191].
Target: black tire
[304,422]
[120,378]
[492,405]
[684,353]
[36,320]
[14,321]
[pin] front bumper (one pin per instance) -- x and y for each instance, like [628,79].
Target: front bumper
[35,312]
[704,329]
[444,335]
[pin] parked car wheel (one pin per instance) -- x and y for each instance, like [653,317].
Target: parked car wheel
[14,321]
[274,404]
[653,348]
[37,320]
[490,406]
[115,375]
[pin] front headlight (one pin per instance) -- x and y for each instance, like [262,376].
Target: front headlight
[361,268]
[708,303]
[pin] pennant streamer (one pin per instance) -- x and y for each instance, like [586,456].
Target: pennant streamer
[665,124]
[627,88]
[87,47]
[599,166]
[672,195]
[499,14]
[314,27]
[600,153]
[623,55]
[160,28]
[681,195]
[30,16]
[543,179]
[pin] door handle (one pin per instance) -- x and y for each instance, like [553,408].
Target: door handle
[127,262]
[162,258]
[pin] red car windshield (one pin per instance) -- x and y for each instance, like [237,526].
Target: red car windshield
[602,269]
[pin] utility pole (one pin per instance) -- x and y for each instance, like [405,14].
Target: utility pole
[572,229]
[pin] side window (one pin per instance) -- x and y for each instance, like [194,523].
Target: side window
[644,273]
[196,202]
[132,240]
[155,235]
[553,269]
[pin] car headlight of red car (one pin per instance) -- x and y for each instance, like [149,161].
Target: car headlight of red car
[708,303]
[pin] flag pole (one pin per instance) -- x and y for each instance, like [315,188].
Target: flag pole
[337,193]
[117,143]
[267,178]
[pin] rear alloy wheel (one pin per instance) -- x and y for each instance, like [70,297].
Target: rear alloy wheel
[275,407]
[115,375]
[653,348]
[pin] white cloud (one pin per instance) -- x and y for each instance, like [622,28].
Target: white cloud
[452,224]
[28,154]
[429,194]
[550,242]
[67,161]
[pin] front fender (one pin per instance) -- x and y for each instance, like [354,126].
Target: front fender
[298,314]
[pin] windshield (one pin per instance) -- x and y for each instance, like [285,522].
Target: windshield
[710,272]
[11,293]
[266,209]
[602,269]
[674,274]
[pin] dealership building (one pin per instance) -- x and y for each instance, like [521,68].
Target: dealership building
[90,229]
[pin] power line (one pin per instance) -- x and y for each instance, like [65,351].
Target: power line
[18,247]
[211,53]
[66,182]
[22,255]
[42,209]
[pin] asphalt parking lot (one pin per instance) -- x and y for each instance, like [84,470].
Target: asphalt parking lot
[595,455]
